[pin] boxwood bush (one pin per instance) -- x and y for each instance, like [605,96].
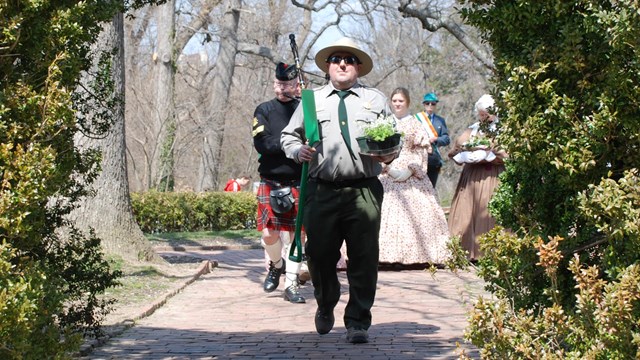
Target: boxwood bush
[565,277]
[158,212]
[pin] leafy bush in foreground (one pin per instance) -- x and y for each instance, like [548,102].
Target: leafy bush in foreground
[48,283]
[565,274]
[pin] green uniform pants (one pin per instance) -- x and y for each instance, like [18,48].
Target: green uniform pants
[334,213]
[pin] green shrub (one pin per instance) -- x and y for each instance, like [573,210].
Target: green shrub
[24,296]
[47,304]
[565,276]
[49,284]
[158,212]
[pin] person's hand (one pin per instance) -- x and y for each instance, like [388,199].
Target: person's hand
[394,173]
[400,175]
[305,154]
[404,175]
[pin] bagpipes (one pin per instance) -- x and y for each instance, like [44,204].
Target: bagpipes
[296,59]
[311,133]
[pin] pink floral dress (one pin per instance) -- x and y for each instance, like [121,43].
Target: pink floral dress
[413,228]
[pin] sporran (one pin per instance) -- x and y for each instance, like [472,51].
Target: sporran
[281,200]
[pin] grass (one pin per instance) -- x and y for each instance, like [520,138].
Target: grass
[137,282]
[140,285]
[207,238]
[203,238]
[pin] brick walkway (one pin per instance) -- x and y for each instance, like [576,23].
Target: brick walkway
[226,315]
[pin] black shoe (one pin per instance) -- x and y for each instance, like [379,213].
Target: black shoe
[273,277]
[357,336]
[292,294]
[324,321]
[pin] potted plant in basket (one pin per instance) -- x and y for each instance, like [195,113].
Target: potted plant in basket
[475,150]
[380,137]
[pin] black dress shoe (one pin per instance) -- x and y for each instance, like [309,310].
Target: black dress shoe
[357,336]
[324,321]
[292,294]
[273,276]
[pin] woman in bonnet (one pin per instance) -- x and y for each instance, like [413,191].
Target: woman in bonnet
[482,160]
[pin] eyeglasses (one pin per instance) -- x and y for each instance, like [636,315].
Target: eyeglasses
[429,103]
[350,60]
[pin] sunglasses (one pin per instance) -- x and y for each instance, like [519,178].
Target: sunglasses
[429,103]
[350,60]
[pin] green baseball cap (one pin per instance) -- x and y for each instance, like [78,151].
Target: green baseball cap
[430,97]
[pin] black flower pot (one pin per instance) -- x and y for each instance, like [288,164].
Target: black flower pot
[387,146]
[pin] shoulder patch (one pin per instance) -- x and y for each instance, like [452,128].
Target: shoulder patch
[258,130]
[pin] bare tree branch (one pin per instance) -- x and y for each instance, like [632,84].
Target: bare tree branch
[198,22]
[433,19]
[258,50]
[311,5]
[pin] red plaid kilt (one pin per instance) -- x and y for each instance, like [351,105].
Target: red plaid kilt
[267,219]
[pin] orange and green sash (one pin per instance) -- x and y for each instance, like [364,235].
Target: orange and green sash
[423,117]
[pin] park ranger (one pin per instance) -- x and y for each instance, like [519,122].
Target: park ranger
[344,193]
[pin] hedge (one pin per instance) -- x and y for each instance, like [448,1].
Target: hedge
[158,212]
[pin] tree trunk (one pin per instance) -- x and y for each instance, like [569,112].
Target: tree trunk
[109,211]
[222,75]
[164,68]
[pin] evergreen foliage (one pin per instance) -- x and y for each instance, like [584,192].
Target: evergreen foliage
[48,283]
[161,212]
[567,85]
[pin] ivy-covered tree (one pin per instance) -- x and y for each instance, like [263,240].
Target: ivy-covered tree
[50,282]
[566,274]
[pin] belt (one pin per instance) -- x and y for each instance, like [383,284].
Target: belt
[280,183]
[341,183]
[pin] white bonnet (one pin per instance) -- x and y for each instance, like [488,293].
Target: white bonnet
[484,103]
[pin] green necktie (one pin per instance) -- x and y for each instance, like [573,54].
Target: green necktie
[342,117]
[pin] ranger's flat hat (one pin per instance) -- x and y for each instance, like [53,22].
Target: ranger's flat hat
[344,45]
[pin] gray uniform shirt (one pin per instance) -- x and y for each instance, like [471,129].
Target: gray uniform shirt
[333,161]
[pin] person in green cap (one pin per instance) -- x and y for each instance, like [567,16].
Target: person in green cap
[438,132]
[344,194]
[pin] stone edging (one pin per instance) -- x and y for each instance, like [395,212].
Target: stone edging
[205,267]
[205,247]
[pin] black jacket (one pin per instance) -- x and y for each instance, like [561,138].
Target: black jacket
[269,119]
